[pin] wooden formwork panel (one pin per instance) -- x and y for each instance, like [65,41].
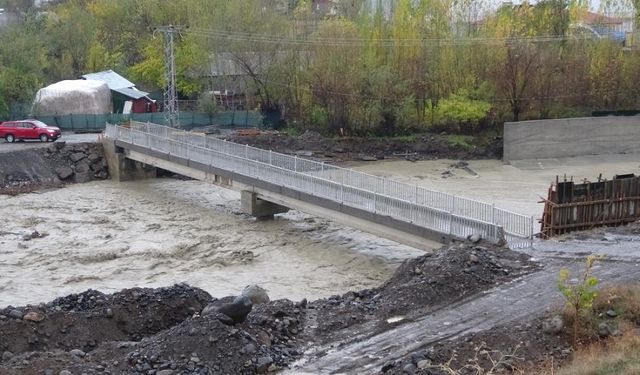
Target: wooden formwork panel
[571,207]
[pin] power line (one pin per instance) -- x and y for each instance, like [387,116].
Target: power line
[382,42]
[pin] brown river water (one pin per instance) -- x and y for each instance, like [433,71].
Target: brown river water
[109,236]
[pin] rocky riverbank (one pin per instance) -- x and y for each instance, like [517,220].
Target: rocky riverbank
[183,330]
[52,166]
[420,147]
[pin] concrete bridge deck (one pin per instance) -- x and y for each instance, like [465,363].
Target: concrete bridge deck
[271,183]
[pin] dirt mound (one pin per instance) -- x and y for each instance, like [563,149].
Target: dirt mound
[423,284]
[148,331]
[445,276]
[82,321]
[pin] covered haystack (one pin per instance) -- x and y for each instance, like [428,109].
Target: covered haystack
[73,97]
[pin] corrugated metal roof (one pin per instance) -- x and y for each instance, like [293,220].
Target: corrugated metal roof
[132,93]
[114,80]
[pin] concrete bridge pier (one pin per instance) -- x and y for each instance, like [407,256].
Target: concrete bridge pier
[259,208]
[122,168]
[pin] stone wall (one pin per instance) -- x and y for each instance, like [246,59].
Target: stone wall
[55,165]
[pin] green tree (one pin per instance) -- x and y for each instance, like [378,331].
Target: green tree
[70,34]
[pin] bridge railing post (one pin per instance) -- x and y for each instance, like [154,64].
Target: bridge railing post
[493,220]
[375,202]
[531,228]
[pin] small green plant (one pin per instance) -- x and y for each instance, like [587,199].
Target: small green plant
[580,294]
[461,141]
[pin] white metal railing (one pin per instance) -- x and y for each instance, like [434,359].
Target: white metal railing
[435,210]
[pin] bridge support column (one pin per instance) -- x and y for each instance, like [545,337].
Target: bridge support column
[123,169]
[259,208]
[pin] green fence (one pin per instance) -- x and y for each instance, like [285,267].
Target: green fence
[188,120]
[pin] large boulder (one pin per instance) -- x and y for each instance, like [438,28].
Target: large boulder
[256,294]
[73,97]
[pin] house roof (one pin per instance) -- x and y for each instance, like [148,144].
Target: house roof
[591,18]
[132,93]
[114,80]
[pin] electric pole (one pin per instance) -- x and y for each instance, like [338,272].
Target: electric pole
[170,92]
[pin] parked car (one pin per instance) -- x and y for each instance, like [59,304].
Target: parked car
[28,129]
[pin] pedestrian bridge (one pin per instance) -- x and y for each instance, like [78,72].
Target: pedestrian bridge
[271,183]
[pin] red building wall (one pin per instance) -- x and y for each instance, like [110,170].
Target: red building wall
[144,105]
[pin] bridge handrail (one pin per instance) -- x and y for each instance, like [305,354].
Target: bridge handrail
[517,227]
[452,218]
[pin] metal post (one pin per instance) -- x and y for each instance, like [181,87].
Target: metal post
[270,158]
[531,236]
[246,151]
[493,220]
[375,203]
[411,212]
[295,163]
[453,207]
[450,223]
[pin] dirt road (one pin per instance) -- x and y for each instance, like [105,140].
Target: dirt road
[530,297]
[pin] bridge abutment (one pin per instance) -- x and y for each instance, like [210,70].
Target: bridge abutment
[259,208]
[123,169]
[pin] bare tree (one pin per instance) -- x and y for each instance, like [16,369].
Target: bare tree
[516,75]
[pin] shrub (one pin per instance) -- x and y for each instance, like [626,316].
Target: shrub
[579,295]
[460,114]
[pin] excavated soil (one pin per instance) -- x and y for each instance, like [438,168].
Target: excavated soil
[421,285]
[148,331]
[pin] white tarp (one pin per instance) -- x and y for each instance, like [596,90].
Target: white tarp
[73,97]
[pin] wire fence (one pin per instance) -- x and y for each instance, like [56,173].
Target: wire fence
[187,120]
[435,210]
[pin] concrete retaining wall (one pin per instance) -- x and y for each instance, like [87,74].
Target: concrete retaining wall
[543,139]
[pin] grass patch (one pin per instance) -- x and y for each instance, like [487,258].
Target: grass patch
[623,299]
[612,356]
[619,357]
[461,141]
[292,131]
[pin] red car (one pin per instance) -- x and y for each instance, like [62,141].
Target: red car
[28,129]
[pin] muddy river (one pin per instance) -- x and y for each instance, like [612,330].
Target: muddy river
[108,236]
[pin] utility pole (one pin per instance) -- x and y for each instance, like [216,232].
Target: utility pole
[170,92]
